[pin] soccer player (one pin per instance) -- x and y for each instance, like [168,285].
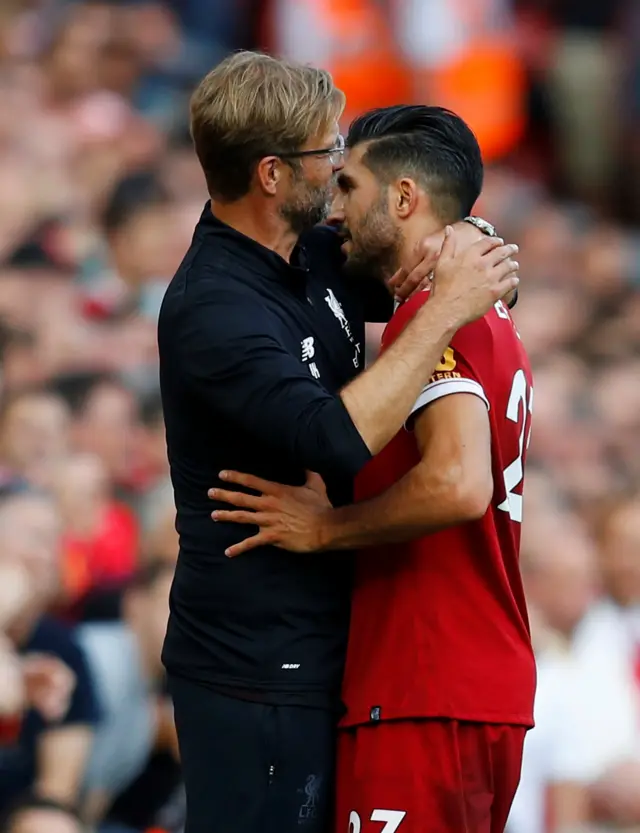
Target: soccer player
[440,676]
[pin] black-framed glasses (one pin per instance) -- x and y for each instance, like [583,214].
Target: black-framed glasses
[334,153]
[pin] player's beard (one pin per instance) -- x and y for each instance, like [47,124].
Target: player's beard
[376,244]
[308,205]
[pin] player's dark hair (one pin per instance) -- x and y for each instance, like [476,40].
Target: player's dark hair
[431,144]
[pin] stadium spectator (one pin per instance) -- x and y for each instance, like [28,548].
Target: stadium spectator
[586,72]
[559,569]
[34,436]
[38,681]
[606,649]
[47,757]
[105,423]
[124,658]
[555,770]
[100,541]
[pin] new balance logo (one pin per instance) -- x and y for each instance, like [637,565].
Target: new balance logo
[290,666]
[308,350]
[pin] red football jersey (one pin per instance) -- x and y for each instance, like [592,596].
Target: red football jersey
[439,625]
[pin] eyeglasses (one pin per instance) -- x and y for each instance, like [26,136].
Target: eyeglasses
[335,153]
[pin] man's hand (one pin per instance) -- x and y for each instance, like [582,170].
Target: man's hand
[48,684]
[471,281]
[289,517]
[468,276]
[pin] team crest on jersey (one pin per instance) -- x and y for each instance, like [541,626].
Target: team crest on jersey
[336,308]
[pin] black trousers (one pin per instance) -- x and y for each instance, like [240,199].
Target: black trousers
[253,768]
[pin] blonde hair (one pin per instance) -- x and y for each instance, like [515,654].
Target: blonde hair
[252,105]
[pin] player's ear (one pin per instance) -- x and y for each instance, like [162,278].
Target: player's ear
[406,198]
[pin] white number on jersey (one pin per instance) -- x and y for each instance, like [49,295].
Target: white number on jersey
[392,820]
[521,395]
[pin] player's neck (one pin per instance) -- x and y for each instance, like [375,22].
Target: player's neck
[415,230]
[264,226]
[412,235]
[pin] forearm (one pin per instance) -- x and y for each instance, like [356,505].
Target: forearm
[72,745]
[421,503]
[380,400]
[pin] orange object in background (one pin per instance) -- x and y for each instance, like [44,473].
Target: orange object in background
[478,75]
[486,86]
[464,55]
[353,39]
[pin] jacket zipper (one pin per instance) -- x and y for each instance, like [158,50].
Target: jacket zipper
[272,772]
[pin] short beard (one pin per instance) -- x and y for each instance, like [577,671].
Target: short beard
[376,244]
[308,206]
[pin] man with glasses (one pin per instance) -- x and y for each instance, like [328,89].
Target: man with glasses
[261,341]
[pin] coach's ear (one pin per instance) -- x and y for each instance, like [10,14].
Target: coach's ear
[268,174]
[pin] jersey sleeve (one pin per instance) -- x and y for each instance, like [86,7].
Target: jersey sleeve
[456,371]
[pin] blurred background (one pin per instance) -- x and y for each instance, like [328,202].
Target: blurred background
[99,194]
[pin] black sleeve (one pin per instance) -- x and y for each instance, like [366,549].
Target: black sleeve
[235,361]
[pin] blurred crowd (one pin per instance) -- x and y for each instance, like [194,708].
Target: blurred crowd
[99,193]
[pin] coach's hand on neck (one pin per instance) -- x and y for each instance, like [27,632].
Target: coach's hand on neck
[417,273]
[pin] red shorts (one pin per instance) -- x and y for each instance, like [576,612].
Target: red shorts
[427,776]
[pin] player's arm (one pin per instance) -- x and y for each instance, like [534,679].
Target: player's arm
[450,485]
[70,739]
